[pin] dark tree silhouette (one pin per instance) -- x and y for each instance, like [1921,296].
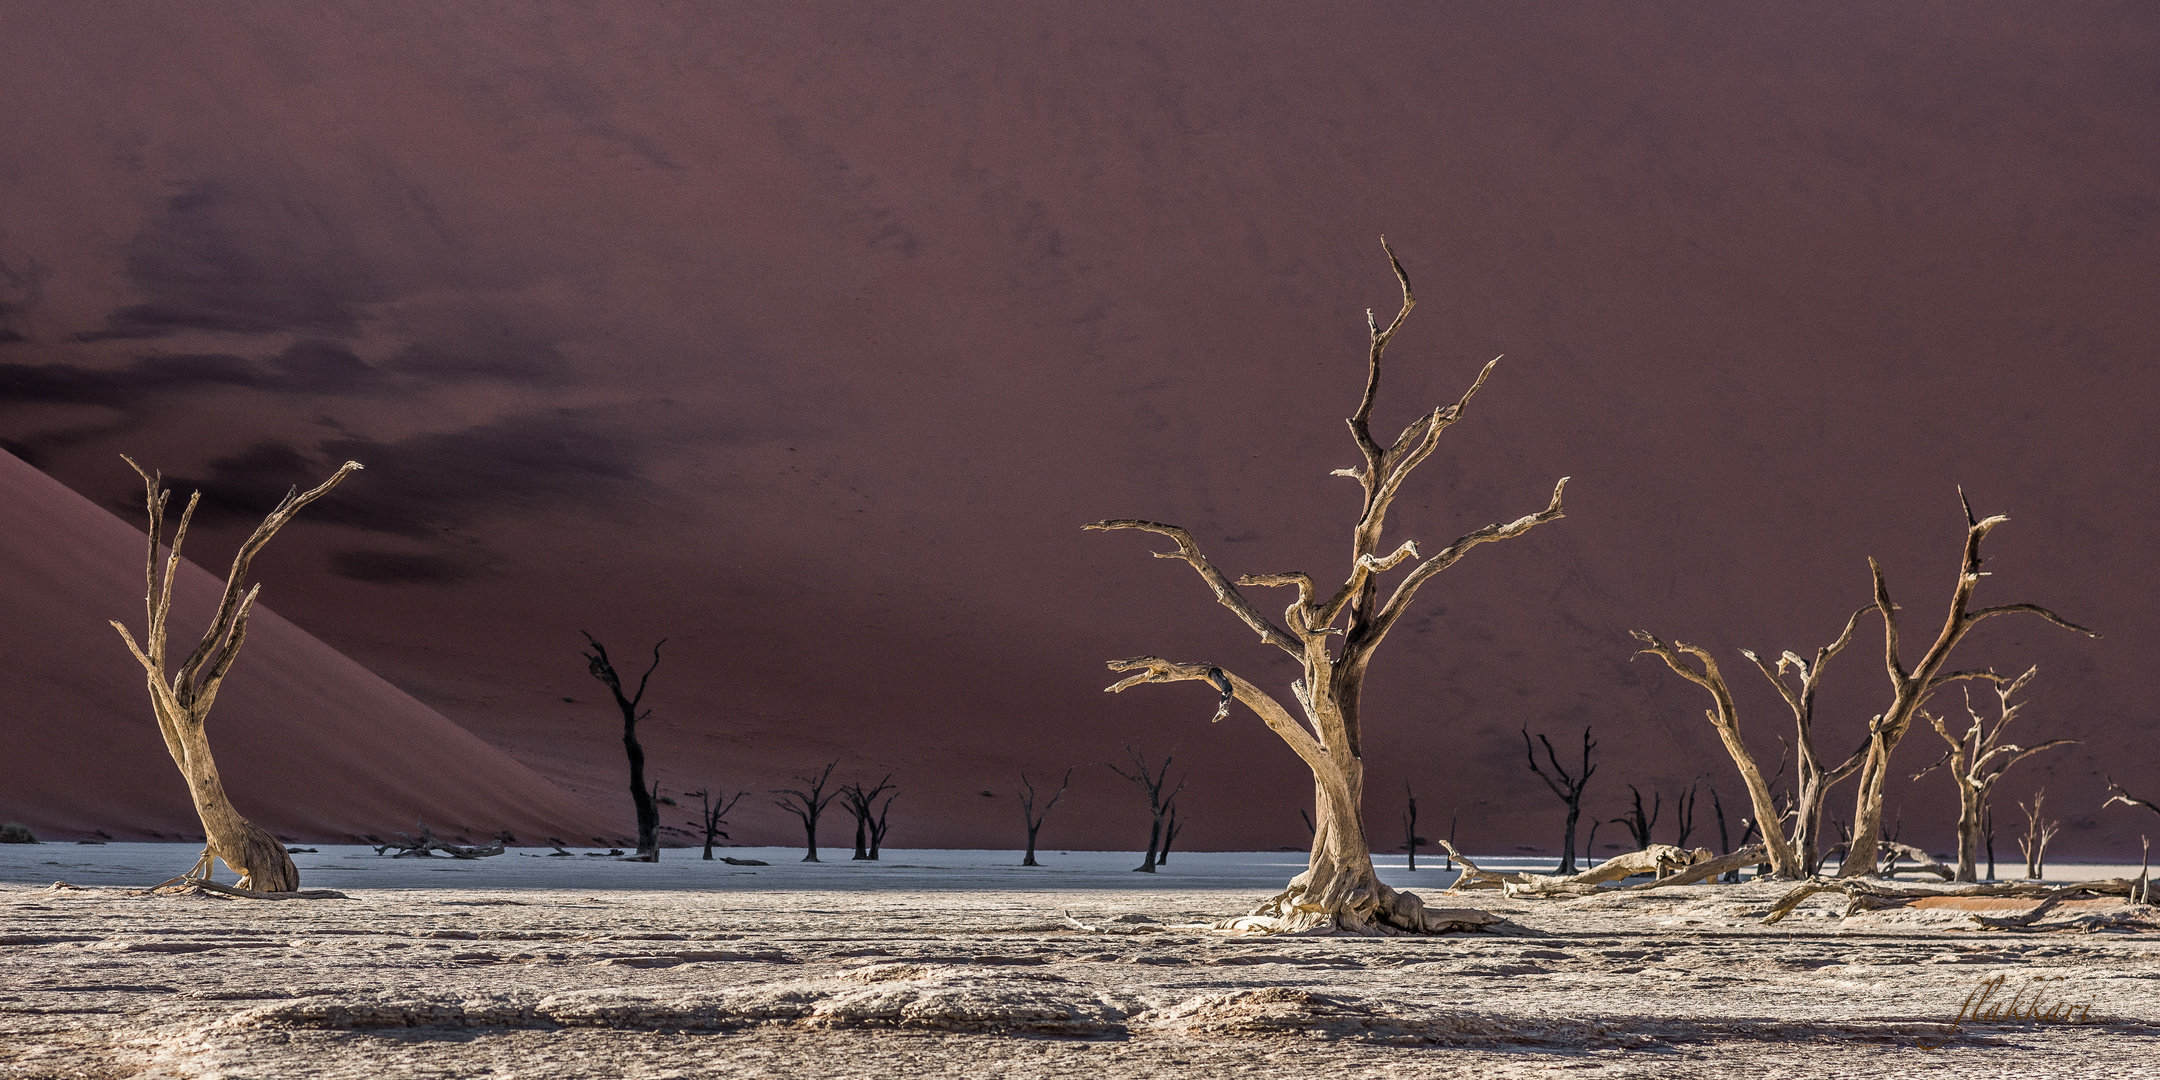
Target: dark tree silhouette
[1033,820]
[1158,804]
[1171,828]
[713,807]
[1411,840]
[1569,788]
[648,809]
[1639,824]
[869,815]
[861,803]
[1684,811]
[806,804]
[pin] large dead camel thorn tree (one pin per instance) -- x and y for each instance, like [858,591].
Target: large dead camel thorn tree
[1799,856]
[1911,689]
[1333,639]
[648,806]
[182,701]
[1977,758]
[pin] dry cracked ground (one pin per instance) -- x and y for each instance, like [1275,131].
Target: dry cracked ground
[987,976]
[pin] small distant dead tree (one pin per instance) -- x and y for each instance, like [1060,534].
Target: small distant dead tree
[807,803]
[1569,788]
[1158,804]
[713,807]
[1684,813]
[1033,820]
[181,701]
[1449,850]
[2033,845]
[1411,840]
[1911,689]
[1977,758]
[861,802]
[1638,823]
[1332,637]
[648,806]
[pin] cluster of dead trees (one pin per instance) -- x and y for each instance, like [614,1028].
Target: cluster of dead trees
[1976,754]
[1330,634]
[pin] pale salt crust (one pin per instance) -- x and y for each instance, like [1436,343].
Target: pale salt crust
[960,963]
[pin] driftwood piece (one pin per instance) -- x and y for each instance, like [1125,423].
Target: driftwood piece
[1923,863]
[1473,878]
[1870,889]
[1657,859]
[1747,856]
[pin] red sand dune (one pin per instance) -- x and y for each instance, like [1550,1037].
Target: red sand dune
[312,746]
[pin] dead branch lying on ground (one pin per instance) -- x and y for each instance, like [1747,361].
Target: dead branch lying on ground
[182,885]
[426,846]
[1870,894]
[1670,865]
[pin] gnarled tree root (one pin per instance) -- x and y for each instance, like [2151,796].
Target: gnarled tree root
[1372,910]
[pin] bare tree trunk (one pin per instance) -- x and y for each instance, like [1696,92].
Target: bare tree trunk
[181,701]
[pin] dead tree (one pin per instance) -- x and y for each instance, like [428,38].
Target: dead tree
[1158,804]
[648,806]
[1815,778]
[1911,689]
[861,803]
[1788,858]
[1684,812]
[1033,820]
[713,810]
[1638,823]
[806,803]
[181,701]
[1977,758]
[1171,828]
[1411,840]
[1332,637]
[2033,845]
[1569,788]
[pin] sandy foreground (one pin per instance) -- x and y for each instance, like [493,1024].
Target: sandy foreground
[959,963]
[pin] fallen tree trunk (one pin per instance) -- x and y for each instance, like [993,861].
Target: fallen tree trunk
[1869,893]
